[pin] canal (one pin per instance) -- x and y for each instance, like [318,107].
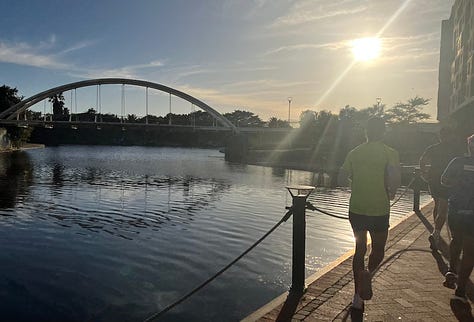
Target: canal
[99,233]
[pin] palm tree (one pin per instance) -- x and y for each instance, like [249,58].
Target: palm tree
[58,103]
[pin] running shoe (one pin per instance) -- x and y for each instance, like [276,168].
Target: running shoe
[357,315]
[462,298]
[450,280]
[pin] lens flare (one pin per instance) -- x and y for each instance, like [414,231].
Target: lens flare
[366,49]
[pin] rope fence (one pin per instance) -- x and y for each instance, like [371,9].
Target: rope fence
[293,210]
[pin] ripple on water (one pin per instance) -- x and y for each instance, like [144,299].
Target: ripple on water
[104,240]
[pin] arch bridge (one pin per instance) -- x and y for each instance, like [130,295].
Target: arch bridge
[13,112]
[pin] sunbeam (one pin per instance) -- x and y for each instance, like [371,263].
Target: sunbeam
[354,61]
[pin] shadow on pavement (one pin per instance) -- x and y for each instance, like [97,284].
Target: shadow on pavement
[289,307]
[462,311]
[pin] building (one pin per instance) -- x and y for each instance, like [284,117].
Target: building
[456,72]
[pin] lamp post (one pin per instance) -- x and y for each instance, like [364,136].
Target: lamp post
[379,100]
[289,108]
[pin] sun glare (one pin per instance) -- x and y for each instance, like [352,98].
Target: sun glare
[366,49]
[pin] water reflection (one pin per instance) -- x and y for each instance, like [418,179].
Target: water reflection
[110,233]
[123,205]
[16,176]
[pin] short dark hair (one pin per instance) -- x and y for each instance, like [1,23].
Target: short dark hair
[375,129]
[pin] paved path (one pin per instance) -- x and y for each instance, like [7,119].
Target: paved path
[407,287]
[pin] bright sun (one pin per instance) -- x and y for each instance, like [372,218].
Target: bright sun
[366,49]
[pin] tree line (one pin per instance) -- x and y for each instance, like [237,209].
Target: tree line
[324,125]
[409,112]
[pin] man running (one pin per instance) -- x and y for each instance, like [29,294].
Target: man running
[459,176]
[374,171]
[438,156]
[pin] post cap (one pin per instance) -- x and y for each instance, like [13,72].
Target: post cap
[300,190]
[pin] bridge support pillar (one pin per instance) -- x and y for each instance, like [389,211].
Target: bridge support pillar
[236,149]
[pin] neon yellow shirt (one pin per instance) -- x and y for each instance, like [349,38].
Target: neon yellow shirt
[366,165]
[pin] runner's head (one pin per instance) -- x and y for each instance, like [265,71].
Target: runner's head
[470,145]
[375,130]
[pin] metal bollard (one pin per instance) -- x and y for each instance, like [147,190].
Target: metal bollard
[299,236]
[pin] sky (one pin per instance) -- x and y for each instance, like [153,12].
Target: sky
[232,54]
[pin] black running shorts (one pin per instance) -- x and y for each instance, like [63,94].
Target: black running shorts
[463,223]
[369,223]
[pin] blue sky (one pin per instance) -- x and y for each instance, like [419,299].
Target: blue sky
[231,54]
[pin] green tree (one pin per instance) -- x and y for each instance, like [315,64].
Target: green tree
[58,103]
[8,97]
[242,118]
[201,118]
[308,119]
[274,122]
[408,113]
[132,118]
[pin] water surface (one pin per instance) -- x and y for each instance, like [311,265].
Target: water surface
[118,233]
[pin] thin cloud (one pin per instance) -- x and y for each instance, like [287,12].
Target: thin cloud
[187,71]
[131,71]
[329,45]
[26,55]
[304,14]
[422,70]
[78,46]
[258,85]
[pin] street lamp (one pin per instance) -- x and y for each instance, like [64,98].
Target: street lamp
[289,108]
[379,100]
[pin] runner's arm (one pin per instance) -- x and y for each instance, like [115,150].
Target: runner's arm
[449,177]
[394,174]
[343,178]
[345,173]
[424,162]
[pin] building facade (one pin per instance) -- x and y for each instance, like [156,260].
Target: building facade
[456,72]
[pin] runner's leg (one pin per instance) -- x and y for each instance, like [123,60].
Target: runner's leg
[377,253]
[455,248]
[358,260]
[467,263]
[435,211]
[441,214]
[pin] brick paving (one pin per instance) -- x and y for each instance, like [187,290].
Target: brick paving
[407,287]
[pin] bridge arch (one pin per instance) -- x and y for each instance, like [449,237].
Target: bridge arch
[13,111]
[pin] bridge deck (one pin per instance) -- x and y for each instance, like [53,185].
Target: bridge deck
[34,123]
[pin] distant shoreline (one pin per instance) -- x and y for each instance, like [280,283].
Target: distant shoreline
[26,146]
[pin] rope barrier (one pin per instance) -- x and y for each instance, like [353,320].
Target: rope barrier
[311,207]
[404,192]
[283,219]
[210,279]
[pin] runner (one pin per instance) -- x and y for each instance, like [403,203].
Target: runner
[438,156]
[459,176]
[374,171]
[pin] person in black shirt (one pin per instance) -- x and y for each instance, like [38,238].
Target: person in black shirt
[432,164]
[459,177]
